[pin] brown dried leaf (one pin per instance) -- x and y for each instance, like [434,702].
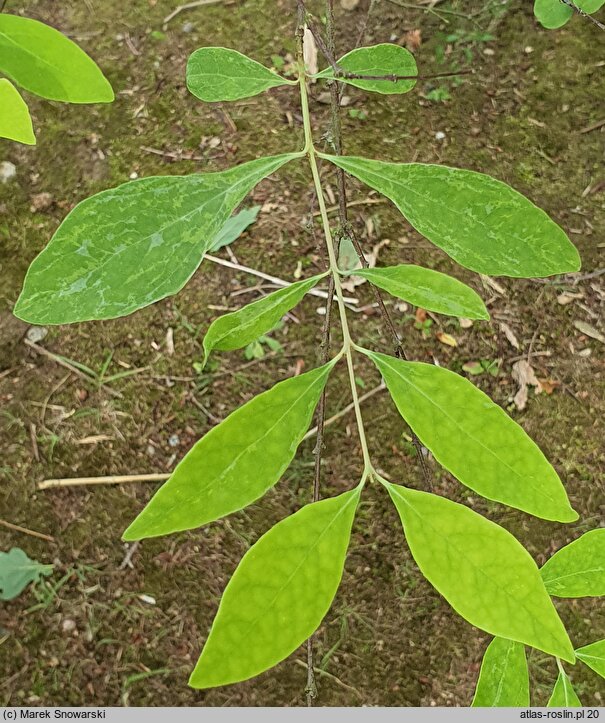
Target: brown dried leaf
[508,333]
[523,373]
[589,331]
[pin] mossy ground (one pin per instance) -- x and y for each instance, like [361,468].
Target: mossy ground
[389,638]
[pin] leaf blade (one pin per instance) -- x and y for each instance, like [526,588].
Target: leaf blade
[130,246]
[382,59]
[504,677]
[458,423]
[239,328]
[483,572]
[482,223]
[578,569]
[553,14]
[15,120]
[234,227]
[44,61]
[593,656]
[427,289]
[288,579]
[17,571]
[223,74]
[237,461]
[563,695]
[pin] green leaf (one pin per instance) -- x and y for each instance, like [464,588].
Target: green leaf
[383,59]
[504,679]
[235,227]
[241,327]
[348,258]
[593,656]
[129,246]
[237,461]
[474,438]
[17,571]
[578,569]
[215,74]
[563,695]
[279,594]
[484,573]
[553,14]
[43,61]
[428,289]
[15,121]
[480,222]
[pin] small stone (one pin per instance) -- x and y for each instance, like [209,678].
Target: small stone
[36,333]
[188,27]
[133,176]
[8,170]
[440,135]
[68,626]
[174,440]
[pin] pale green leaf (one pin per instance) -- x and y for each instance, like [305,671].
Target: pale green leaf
[474,438]
[279,594]
[480,222]
[578,569]
[17,571]
[428,289]
[553,14]
[135,244]
[43,61]
[383,59]
[234,227]
[483,572]
[504,679]
[563,694]
[348,258]
[15,121]
[236,330]
[215,74]
[593,656]
[237,461]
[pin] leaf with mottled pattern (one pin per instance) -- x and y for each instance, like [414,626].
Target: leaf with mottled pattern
[483,572]
[129,246]
[427,289]
[43,61]
[237,461]
[279,593]
[504,678]
[235,330]
[578,569]
[474,438]
[15,120]
[216,74]
[480,222]
[382,59]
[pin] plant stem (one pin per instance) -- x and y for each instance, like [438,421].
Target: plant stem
[347,345]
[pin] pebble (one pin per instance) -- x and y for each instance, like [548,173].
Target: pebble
[36,333]
[8,170]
